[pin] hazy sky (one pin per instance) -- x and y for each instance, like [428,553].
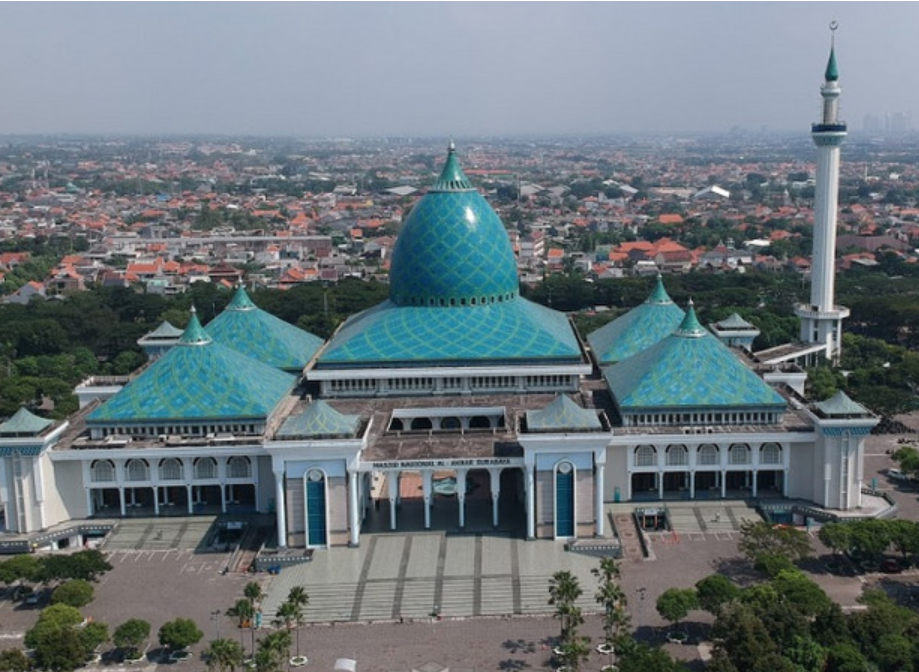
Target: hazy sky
[446,68]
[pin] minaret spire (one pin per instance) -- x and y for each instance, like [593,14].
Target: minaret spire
[821,320]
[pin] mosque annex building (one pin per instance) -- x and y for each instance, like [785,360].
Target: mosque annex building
[456,402]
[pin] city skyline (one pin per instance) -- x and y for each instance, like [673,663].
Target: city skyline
[444,69]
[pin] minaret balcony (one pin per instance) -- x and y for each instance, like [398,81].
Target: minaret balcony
[828,128]
[815,313]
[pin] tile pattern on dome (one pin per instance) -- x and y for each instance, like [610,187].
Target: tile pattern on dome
[198,382]
[516,330]
[452,246]
[688,372]
[638,329]
[264,337]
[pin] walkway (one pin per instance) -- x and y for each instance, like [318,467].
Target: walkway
[411,576]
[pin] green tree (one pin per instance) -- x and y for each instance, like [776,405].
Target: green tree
[836,537]
[714,591]
[76,592]
[224,655]
[179,633]
[243,612]
[55,639]
[130,636]
[14,660]
[272,652]
[762,537]
[674,604]
[611,596]
[299,599]
[253,592]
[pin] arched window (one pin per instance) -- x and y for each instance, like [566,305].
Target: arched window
[137,470]
[677,455]
[645,456]
[239,467]
[770,453]
[171,469]
[103,471]
[420,424]
[396,425]
[739,453]
[450,423]
[479,422]
[707,454]
[205,467]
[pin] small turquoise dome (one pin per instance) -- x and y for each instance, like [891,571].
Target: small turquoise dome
[453,249]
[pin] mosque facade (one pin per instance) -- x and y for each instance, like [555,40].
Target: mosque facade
[455,403]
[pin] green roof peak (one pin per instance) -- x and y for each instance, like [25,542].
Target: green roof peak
[241,300]
[690,326]
[452,177]
[659,294]
[194,333]
[832,71]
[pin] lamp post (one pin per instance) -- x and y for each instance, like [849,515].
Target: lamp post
[641,604]
[215,616]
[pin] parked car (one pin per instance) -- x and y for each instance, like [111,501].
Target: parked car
[895,474]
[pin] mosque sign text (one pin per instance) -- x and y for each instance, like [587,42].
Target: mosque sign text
[457,463]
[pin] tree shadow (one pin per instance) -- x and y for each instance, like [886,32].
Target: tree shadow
[739,570]
[512,664]
[519,646]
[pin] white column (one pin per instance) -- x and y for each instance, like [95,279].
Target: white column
[660,483]
[223,497]
[393,483]
[355,507]
[495,480]
[280,507]
[598,496]
[531,501]
[156,500]
[89,502]
[191,505]
[461,495]
[426,486]
[724,484]
[692,484]
[121,501]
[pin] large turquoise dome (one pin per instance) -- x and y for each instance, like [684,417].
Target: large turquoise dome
[453,249]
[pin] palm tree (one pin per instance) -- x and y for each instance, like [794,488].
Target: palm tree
[564,590]
[612,597]
[272,650]
[299,598]
[224,655]
[243,612]
[253,593]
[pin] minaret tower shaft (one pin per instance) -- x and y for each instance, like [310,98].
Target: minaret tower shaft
[821,320]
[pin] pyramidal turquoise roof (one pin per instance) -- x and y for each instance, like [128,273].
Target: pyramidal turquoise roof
[24,423]
[734,321]
[511,331]
[563,414]
[840,404]
[832,71]
[319,420]
[255,333]
[688,369]
[165,330]
[640,328]
[453,249]
[197,379]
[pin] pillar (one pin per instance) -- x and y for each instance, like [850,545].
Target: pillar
[223,498]
[531,502]
[393,482]
[89,500]
[495,480]
[279,505]
[156,500]
[724,483]
[660,484]
[461,495]
[427,489]
[753,485]
[191,504]
[121,501]
[354,510]
[598,497]
[692,484]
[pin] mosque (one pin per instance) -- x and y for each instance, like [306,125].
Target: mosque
[456,402]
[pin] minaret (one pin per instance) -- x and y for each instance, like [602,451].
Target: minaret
[821,320]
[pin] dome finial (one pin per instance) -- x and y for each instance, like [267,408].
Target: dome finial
[690,327]
[452,177]
[451,148]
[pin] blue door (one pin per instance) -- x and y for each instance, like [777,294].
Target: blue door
[315,510]
[564,501]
